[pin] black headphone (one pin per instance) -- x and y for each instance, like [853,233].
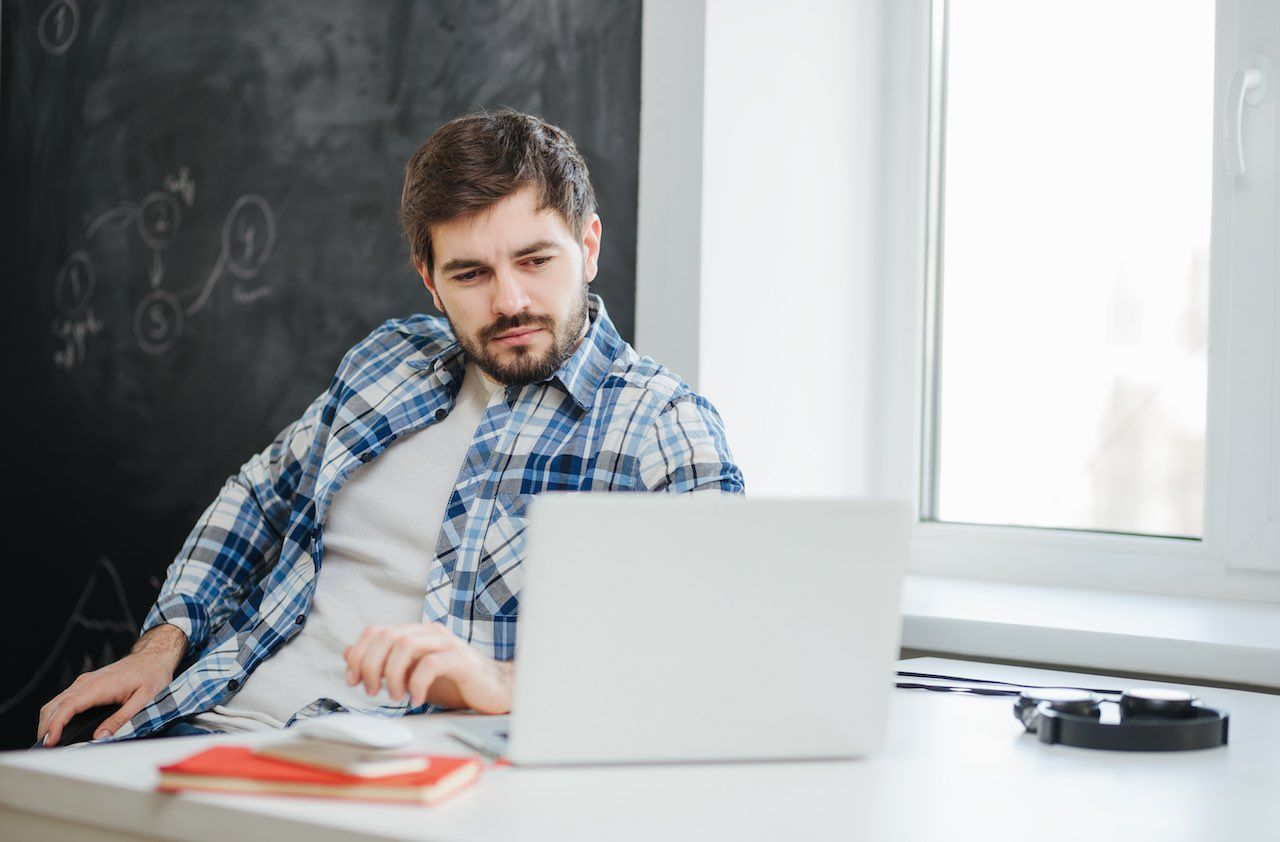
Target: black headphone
[1145,719]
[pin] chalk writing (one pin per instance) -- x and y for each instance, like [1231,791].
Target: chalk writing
[240,295]
[74,335]
[58,26]
[74,287]
[182,184]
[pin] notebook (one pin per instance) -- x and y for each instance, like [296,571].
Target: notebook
[239,769]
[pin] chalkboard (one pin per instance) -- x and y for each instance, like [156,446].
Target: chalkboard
[199,219]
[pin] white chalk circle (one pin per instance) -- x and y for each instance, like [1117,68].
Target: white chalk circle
[158,220]
[157,322]
[58,26]
[248,235]
[74,287]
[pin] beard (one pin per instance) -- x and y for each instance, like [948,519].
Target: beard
[528,366]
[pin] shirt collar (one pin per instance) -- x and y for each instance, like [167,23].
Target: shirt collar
[581,375]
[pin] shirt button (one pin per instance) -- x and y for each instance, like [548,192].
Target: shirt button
[440,414]
[299,620]
[233,685]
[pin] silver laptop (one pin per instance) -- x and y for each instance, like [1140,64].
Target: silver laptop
[658,628]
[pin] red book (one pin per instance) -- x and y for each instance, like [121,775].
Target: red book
[238,769]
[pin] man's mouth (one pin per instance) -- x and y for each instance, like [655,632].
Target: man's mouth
[519,336]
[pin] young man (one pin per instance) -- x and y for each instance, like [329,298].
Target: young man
[370,558]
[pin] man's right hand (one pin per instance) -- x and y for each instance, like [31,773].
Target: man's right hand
[130,682]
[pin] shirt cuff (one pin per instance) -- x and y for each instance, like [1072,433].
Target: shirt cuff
[184,612]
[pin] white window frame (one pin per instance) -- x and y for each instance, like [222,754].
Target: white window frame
[1238,556]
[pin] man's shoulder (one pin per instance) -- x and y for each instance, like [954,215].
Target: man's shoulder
[416,335]
[632,377]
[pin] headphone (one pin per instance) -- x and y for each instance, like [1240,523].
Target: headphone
[1145,719]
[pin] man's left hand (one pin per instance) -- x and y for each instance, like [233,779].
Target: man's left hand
[431,664]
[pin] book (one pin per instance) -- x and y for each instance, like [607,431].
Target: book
[239,769]
[361,761]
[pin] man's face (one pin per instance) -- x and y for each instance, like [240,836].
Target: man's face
[513,284]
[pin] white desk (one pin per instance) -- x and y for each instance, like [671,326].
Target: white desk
[955,767]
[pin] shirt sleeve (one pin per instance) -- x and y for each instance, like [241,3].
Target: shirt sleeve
[686,450]
[238,537]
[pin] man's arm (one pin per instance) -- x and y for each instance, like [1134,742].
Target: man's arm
[228,550]
[686,450]
[130,682]
[238,537]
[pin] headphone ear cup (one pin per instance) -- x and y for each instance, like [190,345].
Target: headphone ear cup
[1157,702]
[1062,699]
[1077,707]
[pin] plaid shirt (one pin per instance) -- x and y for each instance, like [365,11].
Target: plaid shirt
[607,420]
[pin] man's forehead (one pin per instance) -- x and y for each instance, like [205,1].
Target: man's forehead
[510,225]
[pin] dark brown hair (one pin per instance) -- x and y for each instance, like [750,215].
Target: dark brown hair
[471,163]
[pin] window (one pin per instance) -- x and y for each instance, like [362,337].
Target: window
[1072,265]
[1089,204]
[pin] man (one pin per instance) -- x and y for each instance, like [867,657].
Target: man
[370,558]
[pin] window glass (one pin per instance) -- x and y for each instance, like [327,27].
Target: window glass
[1073,264]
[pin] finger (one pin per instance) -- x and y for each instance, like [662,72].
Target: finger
[132,705]
[355,652]
[70,705]
[374,660]
[425,672]
[46,713]
[403,657]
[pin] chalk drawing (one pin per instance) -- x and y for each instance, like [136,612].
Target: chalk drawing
[123,623]
[58,26]
[124,214]
[248,237]
[157,322]
[159,219]
[74,287]
[156,272]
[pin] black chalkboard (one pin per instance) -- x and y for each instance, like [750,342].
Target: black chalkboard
[199,219]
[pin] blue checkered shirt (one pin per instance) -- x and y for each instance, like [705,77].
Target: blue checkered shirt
[607,420]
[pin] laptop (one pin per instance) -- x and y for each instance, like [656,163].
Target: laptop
[681,628]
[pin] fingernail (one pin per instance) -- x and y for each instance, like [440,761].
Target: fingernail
[44,741]
[103,733]
[351,677]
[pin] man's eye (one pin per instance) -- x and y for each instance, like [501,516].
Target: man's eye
[467,276]
[538,261]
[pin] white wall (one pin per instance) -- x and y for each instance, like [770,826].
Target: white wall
[787,253]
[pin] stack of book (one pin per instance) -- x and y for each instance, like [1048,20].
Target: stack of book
[322,769]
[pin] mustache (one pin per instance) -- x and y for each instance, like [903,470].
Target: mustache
[507,323]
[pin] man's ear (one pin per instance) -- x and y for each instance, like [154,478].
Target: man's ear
[428,283]
[591,247]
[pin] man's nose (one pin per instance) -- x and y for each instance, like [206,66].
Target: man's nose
[509,296]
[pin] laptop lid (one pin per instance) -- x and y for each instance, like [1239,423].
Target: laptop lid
[704,627]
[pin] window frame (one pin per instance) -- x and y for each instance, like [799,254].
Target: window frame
[1238,556]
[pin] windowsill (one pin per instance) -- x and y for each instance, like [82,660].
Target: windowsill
[1183,637]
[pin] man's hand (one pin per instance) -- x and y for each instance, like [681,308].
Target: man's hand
[130,682]
[431,664]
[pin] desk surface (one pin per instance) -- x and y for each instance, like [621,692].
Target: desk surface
[954,767]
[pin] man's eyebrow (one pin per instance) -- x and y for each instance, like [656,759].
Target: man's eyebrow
[541,245]
[471,263]
[460,263]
